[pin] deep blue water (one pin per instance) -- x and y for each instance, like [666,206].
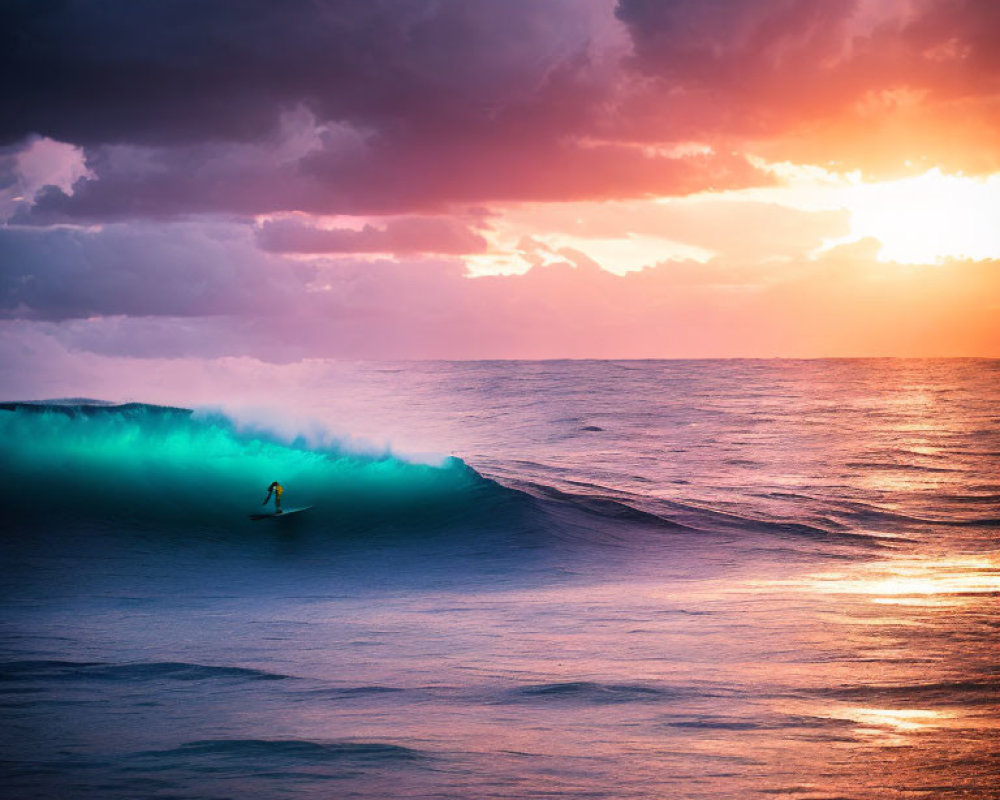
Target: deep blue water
[715,579]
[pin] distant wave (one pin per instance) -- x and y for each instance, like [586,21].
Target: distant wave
[687,517]
[766,722]
[295,750]
[588,692]
[32,671]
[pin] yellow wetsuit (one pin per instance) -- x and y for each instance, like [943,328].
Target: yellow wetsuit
[278,490]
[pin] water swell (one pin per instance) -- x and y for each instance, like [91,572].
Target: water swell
[290,750]
[764,722]
[588,692]
[32,671]
[688,517]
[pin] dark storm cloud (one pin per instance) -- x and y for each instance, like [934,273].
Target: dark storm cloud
[186,106]
[728,43]
[192,71]
[168,71]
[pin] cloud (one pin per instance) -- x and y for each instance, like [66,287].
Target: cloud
[743,231]
[267,307]
[185,70]
[370,106]
[414,106]
[37,163]
[547,134]
[402,236]
[866,84]
[349,175]
[354,107]
[186,269]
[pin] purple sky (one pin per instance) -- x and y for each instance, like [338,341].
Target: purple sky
[189,179]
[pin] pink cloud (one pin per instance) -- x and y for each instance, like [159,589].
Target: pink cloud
[845,303]
[37,163]
[821,82]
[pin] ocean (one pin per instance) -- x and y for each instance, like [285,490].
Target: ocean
[581,579]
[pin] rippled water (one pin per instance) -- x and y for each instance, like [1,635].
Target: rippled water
[721,579]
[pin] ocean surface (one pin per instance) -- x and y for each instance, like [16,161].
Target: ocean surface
[636,579]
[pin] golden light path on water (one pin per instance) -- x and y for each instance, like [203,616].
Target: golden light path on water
[921,675]
[915,580]
[875,680]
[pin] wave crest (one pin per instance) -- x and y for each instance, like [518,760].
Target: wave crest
[137,462]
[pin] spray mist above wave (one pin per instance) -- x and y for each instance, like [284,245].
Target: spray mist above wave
[138,461]
[308,433]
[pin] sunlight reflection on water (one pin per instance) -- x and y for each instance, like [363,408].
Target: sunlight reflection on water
[911,580]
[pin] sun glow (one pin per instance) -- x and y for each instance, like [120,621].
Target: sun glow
[923,219]
[928,218]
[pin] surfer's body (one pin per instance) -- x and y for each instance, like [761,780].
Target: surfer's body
[277,490]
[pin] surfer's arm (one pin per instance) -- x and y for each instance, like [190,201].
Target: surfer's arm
[267,498]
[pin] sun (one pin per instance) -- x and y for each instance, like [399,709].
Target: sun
[928,218]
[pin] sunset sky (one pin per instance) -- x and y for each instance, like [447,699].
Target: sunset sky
[189,182]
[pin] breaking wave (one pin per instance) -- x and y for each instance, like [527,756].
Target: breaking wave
[137,462]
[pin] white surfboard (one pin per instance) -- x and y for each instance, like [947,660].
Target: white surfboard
[279,514]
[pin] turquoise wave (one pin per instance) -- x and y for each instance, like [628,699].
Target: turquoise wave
[137,461]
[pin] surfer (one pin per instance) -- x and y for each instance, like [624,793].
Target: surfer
[277,489]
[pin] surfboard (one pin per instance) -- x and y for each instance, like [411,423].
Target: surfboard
[275,515]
